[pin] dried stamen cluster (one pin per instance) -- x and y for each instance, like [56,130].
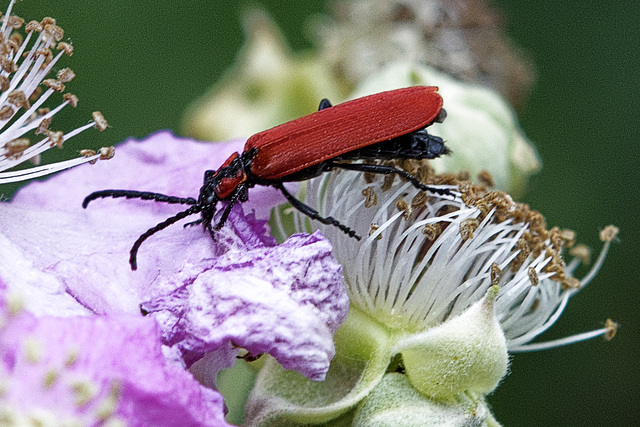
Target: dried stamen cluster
[25,63]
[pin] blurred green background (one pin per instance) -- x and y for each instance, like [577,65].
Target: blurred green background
[142,62]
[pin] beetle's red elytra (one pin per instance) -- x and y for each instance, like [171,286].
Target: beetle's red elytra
[385,126]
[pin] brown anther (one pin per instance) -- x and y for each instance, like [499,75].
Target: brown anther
[43,127]
[4,83]
[403,206]
[18,98]
[424,173]
[408,166]
[369,177]
[371,198]
[533,276]
[609,233]
[6,112]
[16,147]
[56,138]
[46,53]
[8,65]
[33,26]
[467,228]
[522,256]
[107,153]
[373,229]
[419,200]
[568,237]
[47,20]
[496,274]
[43,111]
[98,118]
[570,283]
[485,178]
[66,75]
[68,49]
[35,94]
[89,153]
[612,328]
[71,99]
[431,231]
[388,182]
[14,42]
[54,84]
[15,22]
[582,252]
[56,32]
[463,175]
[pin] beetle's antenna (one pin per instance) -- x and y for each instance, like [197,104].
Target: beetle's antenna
[164,224]
[144,195]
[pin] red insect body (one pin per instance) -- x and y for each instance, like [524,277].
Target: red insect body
[385,126]
[345,127]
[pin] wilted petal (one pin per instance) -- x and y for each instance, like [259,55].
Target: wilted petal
[286,301]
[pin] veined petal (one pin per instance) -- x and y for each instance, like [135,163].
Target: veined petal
[69,261]
[286,301]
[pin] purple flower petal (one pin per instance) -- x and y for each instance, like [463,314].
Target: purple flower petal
[286,301]
[66,261]
[92,370]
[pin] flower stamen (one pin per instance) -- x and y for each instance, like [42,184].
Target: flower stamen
[23,71]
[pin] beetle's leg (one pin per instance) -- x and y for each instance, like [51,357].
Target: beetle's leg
[153,230]
[207,216]
[324,104]
[313,214]
[144,195]
[387,170]
[192,223]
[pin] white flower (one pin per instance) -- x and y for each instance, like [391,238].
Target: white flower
[428,259]
[25,63]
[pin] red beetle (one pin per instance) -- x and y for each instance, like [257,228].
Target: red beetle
[387,125]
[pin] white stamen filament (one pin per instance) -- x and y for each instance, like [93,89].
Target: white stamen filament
[30,72]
